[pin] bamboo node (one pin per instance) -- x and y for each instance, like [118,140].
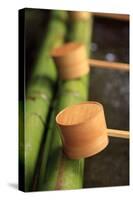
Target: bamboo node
[38,94]
[73,93]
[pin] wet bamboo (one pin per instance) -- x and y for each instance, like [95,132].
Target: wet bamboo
[39,95]
[61,172]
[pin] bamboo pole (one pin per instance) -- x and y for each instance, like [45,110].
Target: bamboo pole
[61,172]
[122,17]
[118,133]
[39,96]
[108,65]
[21,145]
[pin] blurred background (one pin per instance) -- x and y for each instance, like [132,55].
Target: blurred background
[110,42]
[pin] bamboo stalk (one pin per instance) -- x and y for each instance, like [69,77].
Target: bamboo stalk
[40,94]
[108,65]
[118,133]
[122,17]
[21,145]
[61,172]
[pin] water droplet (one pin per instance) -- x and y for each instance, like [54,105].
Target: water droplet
[110,57]
[94,47]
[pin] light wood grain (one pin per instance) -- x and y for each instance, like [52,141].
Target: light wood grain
[83,129]
[71,60]
[118,133]
[113,16]
[108,65]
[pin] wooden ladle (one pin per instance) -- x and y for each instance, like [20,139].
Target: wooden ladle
[71,60]
[83,129]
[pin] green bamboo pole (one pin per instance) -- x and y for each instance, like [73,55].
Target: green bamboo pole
[39,96]
[60,172]
[21,145]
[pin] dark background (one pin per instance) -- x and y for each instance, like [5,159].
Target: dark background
[110,41]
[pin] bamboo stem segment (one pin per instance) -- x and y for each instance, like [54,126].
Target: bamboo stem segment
[108,65]
[118,133]
[39,95]
[61,172]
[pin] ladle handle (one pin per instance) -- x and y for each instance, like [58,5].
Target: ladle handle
[107,64]
[118,133]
